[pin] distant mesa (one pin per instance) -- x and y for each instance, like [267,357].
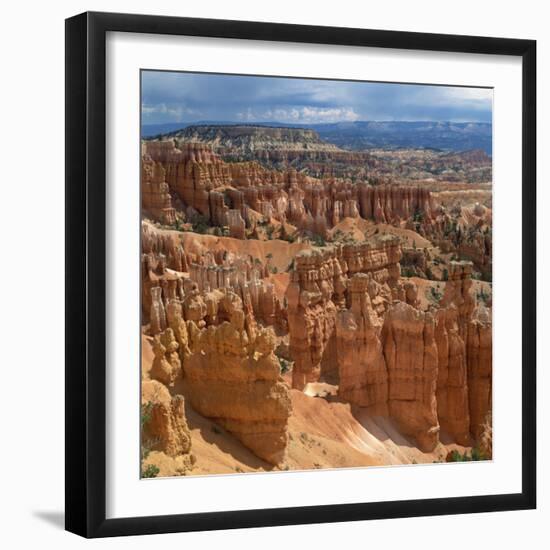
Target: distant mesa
[358,135]
[408,150]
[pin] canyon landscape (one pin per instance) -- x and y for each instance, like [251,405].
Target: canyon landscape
[316,292]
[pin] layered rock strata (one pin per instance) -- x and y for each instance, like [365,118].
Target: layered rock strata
[311,313]
[230,194]
[155,192]
[206,337]
[169,272]
[164,425]
[166,366]
[427,369]
[480,361]
[411,357]
[232,376]
[453,320]
[362,368]
[318,288]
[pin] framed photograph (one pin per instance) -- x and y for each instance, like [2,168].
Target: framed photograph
[300,274]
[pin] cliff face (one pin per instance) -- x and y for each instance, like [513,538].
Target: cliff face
[206,338]
[280,148]
[195,279]
[318,288]
[233,377]
[427,369]
[155,192]
[410,352]
[216,305]
[239,194]
[311,313]
[454,319]
[480,361]
[362,368]
[391,203]
[245,139]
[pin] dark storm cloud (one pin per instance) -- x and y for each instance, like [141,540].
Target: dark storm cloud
[191,97]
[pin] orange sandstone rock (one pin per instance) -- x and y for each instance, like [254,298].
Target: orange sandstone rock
[233,377]
[453,320]
[480,366]
[166,365]
[155,192]
[411,358]
[311,313]
[167,421]
[362,367]
[213,187]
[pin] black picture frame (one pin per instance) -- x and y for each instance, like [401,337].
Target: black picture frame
[86,279]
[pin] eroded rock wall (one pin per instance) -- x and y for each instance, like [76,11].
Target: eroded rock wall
[362,368]
[319,288]
[429,369]
[169,272]
[311,312]
[164,424]
[155,192]
[232,376]
[480,370]
[237,192]
[411,358]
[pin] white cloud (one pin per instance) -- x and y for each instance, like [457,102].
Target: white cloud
[300,114]
[176,113]
[466,98]
[469,93]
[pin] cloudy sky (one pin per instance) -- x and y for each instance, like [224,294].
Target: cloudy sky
[192,97]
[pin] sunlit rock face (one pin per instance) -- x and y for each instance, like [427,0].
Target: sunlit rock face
[311,312]
[319,289]
[479,350]
[427,369]
[233,377]
[216,303]
[155,192]
[232,193]
[411,358]
[165,419]
[362,367]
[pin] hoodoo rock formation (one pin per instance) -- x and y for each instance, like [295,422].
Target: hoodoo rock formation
[415,365]
[362,368]
[233,377]
[165,428]
[155,192]
[318,288]
[169,273]
[299,304]
[210,342]
[312,313]
[233,194]
[411,358]
[480,360]
[391,203]
[454,319]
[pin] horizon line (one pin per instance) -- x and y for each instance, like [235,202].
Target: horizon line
[289,124]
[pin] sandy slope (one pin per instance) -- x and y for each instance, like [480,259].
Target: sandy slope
[358,228]
[323,433]
[282,251]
